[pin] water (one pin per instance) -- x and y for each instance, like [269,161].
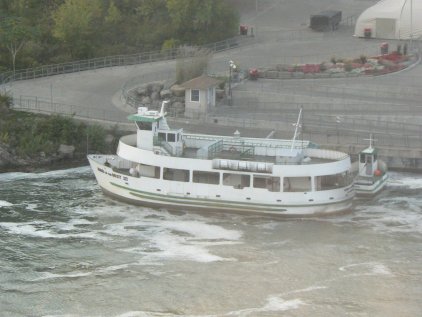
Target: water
[67,250]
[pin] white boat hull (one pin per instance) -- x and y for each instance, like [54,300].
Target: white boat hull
[368,190]
[145,192]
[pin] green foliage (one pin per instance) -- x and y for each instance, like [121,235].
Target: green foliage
[203,20]
[75,24]
[43,32]
[14,34]
[191,63]
[96,139]
[5,103]
[31,134]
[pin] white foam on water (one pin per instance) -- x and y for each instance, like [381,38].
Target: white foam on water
[393,214]
[199,230]
[49,276]
[42,229]
[308,289]
[162,235]
[4,203]
[366,268]
[274,304]
[15,176]
[178,248]
[398,179]
[97,271]
[146,314]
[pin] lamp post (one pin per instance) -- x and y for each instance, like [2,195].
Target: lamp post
[232,66]
[411,25]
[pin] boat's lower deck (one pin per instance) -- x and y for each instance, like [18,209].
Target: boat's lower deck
[220,190]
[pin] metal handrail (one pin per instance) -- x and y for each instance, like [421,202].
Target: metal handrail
[115,60]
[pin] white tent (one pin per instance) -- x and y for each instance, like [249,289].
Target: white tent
[391,19]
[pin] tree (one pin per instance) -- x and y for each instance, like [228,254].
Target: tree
[14,34]
[76,22]
[114,15]
[203,20]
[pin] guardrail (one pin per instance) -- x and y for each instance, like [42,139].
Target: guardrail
[117,60]
[389,133]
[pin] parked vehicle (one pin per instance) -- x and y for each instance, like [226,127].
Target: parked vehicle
[326,20]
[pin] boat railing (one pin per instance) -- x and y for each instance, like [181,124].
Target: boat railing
[211,151]
[164,144]
[251,142]
[326,154]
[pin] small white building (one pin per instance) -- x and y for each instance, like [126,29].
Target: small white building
[200,95]
[391,19]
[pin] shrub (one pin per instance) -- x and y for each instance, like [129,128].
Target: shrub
[5,103]
[191,63]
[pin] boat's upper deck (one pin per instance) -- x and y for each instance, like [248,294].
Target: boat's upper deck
[210,147]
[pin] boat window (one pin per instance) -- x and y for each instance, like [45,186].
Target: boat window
[362,158]
[206,177]
[327,182]
[144,125]
[297,184]
[161,136]
[178,175]
[171,137]
[268,182]
[148,171]
[236,180]
[194,95]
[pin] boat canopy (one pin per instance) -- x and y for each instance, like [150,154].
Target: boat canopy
[143,118]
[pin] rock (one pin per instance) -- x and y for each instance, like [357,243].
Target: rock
[141,91]
[5,157]
[178,90]
[146,100]
[109,138]
[165,93]
[157,86]
[271,74]
[155,95]
[66,151]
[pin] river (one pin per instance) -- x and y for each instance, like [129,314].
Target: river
[67,250]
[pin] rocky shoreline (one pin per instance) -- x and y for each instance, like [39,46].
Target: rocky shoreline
[12,162]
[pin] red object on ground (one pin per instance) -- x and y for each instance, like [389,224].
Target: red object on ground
[253,73]
[243,29]
[377,173]
[311,68]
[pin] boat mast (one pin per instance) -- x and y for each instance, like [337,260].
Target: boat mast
[370,140]
[296,129]
[162,107]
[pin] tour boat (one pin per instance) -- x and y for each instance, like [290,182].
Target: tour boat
[167,168]
[372,173]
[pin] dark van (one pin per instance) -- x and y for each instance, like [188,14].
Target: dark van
[326,20]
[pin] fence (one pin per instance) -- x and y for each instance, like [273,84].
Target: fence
[354,129]
[39,105]
[112,61]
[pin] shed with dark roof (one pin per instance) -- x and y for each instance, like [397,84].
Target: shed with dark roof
[200,94]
